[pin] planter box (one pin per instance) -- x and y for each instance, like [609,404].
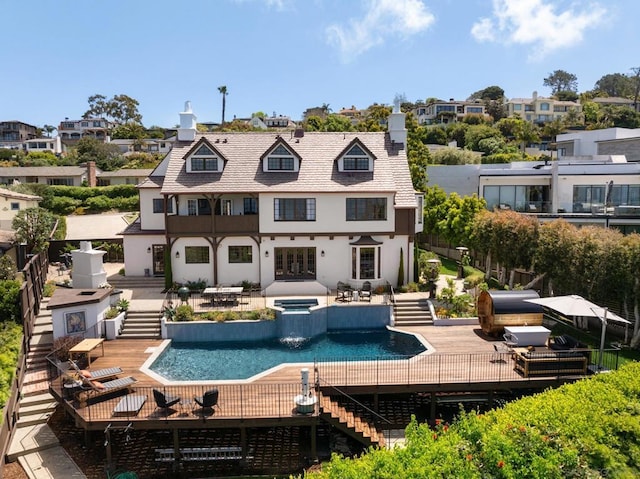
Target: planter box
[113,326]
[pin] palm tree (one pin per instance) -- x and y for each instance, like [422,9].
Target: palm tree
[223,91]
[49,129]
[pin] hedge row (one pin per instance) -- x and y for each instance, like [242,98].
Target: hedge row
[65,205]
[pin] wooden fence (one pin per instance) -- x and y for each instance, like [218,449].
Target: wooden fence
[34,277]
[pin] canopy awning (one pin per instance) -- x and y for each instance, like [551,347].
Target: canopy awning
[365,240]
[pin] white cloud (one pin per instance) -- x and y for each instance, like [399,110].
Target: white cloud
[538,23]
[383,19]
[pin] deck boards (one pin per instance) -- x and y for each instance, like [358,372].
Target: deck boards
[461,356]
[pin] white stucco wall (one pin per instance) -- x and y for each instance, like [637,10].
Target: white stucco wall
[330,215]
[148,219]
[235,273]
[136,257]
[183,272]
[93,314]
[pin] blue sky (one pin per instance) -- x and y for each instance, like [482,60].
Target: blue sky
[283,56]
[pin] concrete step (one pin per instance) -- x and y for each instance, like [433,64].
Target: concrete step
[139,335]
[51,463]
[33,415]
[42,340]
[42,329]
[29,439]
[43,398]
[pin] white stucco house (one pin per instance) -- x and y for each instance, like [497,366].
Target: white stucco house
[11,203]
[296,212]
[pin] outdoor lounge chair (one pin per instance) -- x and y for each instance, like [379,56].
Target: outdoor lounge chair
[98,374]
[95,390]
[343,292]
[208,400]
[365,293]
[165,401]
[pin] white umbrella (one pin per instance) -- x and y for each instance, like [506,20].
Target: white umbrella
[574,305]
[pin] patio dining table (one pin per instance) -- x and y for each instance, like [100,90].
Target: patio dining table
[223,295]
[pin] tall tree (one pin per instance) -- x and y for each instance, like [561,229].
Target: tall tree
[120,108]
[561,80]
[49,129]
[223,91]
[615,84]
[34,226]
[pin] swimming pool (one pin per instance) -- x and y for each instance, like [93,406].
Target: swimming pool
[196,361]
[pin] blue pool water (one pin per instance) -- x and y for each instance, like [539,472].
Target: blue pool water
[241,360]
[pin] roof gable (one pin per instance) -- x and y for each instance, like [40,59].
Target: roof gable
[355,157]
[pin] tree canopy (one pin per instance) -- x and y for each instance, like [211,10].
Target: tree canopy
[34,226]
[120,108]
[561,80]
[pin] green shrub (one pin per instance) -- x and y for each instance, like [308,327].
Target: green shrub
[184,312]
[10,342]
[62,205]
[98,203]
[10,300]
[49,288]
[231,315]
[111,313]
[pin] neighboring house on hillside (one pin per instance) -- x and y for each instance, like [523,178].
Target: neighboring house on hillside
[608,141]
[52,145]
[614,101]
[601,190]
[123,177]
[278,122]
[14,133]
[294,212]
[447,111]
[539,109]
[11,203]
[148,145]
[47,175]
[71,131]
[354,115]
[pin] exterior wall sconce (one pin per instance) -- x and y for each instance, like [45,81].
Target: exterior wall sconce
[149,249]
[322,253]
[177,254]
[266,254]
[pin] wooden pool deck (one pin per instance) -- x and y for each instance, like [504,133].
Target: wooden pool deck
[462,361]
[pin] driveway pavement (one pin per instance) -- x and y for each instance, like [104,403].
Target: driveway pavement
[89,227]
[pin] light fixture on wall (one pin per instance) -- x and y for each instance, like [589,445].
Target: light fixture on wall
[149,249]
[177,254]
[266,254]
[322,253]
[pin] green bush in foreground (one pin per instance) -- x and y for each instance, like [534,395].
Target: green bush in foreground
[10,341]
[588,429]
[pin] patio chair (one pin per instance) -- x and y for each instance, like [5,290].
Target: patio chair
[91,390]
[343,292]
[165,401]
[365,292]
[208,400]
[500,349]
[98,374]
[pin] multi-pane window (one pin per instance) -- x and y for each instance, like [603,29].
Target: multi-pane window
[280,159]
[60,181]
[240,254]
[294,209]
[158,206]
[196,254]
[204,164]
[366,209]
[204,159]
[363,262]
[250,206]
[356,159]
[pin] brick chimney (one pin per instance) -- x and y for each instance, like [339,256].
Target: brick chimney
[91,173]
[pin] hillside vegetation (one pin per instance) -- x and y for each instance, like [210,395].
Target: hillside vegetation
[589,429]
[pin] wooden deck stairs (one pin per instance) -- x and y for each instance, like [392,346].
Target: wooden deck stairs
[349,423]
[141,325]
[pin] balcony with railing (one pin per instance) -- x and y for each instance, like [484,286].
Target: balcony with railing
[212,224]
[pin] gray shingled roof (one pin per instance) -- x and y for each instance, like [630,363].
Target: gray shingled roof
[318,167]
[18,196]
[16,171]
[126,173]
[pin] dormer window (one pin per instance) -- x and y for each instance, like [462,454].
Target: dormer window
[356,158]
[204,159]
[281,159]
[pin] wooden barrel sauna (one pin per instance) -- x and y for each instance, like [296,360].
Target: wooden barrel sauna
[497,309]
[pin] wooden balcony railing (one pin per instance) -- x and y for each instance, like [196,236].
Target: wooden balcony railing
[224,224]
